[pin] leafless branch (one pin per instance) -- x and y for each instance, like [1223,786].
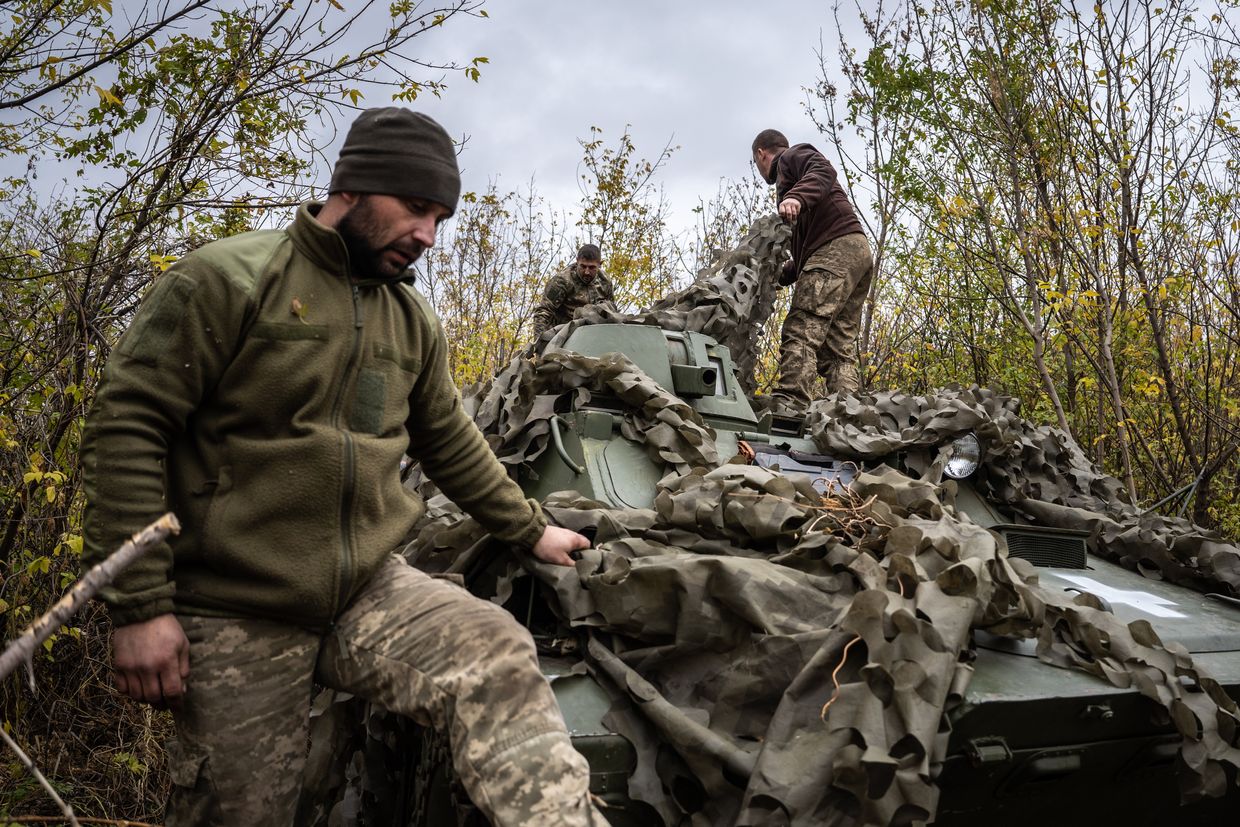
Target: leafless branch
[22,649]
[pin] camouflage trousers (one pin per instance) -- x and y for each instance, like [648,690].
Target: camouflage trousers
[416,645]
[820,331]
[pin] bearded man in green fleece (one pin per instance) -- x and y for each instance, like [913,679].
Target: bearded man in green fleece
[266,392]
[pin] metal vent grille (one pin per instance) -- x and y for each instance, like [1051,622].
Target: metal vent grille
[1046,549]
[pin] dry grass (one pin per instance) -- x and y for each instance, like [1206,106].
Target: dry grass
[103,753]
[846,514]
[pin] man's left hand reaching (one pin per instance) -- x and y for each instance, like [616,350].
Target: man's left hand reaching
[556,543]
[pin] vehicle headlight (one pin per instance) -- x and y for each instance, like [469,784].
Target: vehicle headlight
[966,455]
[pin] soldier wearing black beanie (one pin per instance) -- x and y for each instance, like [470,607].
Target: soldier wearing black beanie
[393,151]
[267,392]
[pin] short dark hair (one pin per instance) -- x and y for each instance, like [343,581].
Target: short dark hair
[589,252]
[769,139]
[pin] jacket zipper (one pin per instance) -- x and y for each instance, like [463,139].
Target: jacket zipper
[346,493]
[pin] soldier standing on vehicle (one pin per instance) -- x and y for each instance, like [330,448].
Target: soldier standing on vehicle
[266,392]
[831,266]
[573,288]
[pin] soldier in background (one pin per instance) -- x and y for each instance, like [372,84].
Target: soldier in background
[572,289]
[831,265]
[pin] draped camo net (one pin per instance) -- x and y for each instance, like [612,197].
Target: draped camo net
[789,657]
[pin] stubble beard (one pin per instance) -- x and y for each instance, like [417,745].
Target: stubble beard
[360,232]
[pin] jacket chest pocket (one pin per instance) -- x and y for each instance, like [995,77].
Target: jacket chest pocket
[288,368]
[383,387]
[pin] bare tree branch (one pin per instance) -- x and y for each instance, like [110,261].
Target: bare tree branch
[104,56]
[22,649]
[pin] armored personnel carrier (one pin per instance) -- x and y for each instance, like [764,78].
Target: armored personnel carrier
[895,610]
[1021,741]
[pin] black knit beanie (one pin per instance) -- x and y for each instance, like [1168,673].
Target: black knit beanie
[393,151]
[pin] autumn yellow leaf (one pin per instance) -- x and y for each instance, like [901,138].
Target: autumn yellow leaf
[162,262]
[106,97]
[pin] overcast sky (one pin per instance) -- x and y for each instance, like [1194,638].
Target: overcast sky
[705,75]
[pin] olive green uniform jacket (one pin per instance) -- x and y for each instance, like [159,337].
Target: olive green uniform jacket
[567,293]
[267,400]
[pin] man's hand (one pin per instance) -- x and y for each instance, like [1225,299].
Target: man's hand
[556,543]
[150,661]
[789,209]
[745,450]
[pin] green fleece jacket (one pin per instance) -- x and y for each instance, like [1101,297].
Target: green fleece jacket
[267,400]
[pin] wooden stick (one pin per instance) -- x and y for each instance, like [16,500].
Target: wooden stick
[21,650]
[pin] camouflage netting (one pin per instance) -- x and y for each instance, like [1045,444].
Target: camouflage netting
[780,657]
[1037,470]
[516,412]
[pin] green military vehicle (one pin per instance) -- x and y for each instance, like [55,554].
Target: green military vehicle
[1030,744]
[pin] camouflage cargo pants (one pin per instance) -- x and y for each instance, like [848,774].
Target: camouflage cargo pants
[419,646]
[820,332]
